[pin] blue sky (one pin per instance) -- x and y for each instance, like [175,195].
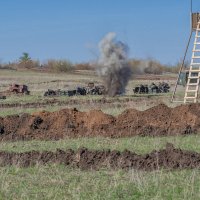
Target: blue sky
[71,29]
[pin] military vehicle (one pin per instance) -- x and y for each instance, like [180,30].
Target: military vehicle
[141,89]
[153,88]
[19,89]
[90,89]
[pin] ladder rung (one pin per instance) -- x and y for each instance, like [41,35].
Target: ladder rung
[194,70]
[196,50]
[196,43]
[196,57]
[195,64]
[193,77]
[197,36]
[192,90]
[192,84]
[190,97]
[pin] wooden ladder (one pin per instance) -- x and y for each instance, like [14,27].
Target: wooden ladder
[192,86]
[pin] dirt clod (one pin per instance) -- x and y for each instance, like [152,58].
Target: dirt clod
[1,129]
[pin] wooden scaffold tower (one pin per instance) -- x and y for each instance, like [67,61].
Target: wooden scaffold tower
[192,75]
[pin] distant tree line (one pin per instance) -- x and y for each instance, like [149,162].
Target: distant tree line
[152,66]
[138,66]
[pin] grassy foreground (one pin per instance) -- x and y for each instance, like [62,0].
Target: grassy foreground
[59,182]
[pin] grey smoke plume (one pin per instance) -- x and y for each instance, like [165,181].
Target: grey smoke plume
[113,64]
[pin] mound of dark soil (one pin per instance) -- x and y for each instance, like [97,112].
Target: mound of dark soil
[159,120]
[168,158]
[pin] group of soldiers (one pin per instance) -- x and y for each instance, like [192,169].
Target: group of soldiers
[91,89]
[162,87]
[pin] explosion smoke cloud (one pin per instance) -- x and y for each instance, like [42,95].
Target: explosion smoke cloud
[113,64]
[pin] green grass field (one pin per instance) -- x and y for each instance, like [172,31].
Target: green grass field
[140,145]
[60,182]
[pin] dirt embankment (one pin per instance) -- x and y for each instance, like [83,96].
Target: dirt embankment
[168,158]
[159,120]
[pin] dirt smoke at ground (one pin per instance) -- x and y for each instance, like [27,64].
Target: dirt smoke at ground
[168,158]
[71,123]
[113,64]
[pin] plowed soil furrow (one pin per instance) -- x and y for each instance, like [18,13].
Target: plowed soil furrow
[168,158]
